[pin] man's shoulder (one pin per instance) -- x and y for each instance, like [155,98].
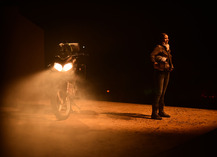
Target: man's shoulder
[158,46]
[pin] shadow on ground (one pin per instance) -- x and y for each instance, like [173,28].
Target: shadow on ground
[126,116]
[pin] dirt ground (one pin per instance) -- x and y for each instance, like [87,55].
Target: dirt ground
[106,129]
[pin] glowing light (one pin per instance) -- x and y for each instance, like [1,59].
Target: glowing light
[108,91]
[67,67]
[58,66]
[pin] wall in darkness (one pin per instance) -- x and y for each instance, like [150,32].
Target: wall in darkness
[22,48]
[22,45]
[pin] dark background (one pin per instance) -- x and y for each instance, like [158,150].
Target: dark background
[119,37]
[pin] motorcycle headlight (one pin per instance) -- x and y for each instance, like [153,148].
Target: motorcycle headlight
[58,66]
[67,67]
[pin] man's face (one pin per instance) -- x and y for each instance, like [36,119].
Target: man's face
[166,39]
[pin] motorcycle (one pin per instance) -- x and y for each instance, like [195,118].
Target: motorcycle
[65,82]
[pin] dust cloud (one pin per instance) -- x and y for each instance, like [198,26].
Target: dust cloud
[37,89]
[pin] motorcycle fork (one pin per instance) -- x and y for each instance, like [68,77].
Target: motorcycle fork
[62,92]
[71,89]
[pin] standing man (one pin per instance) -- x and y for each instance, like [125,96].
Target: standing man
[162,63]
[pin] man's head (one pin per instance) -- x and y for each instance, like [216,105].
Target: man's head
[164,38]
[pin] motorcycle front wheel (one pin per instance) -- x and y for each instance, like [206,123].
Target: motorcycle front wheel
[61,105]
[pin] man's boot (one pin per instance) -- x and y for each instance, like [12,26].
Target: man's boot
[161,111]
[154,113]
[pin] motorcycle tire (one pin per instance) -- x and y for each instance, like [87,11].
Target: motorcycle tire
[61,106]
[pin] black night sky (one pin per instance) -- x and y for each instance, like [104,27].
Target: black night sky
[119,36]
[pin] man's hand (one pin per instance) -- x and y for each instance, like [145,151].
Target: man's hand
[171,69]
[155,65]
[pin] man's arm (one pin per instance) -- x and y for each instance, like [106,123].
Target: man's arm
[155,52]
